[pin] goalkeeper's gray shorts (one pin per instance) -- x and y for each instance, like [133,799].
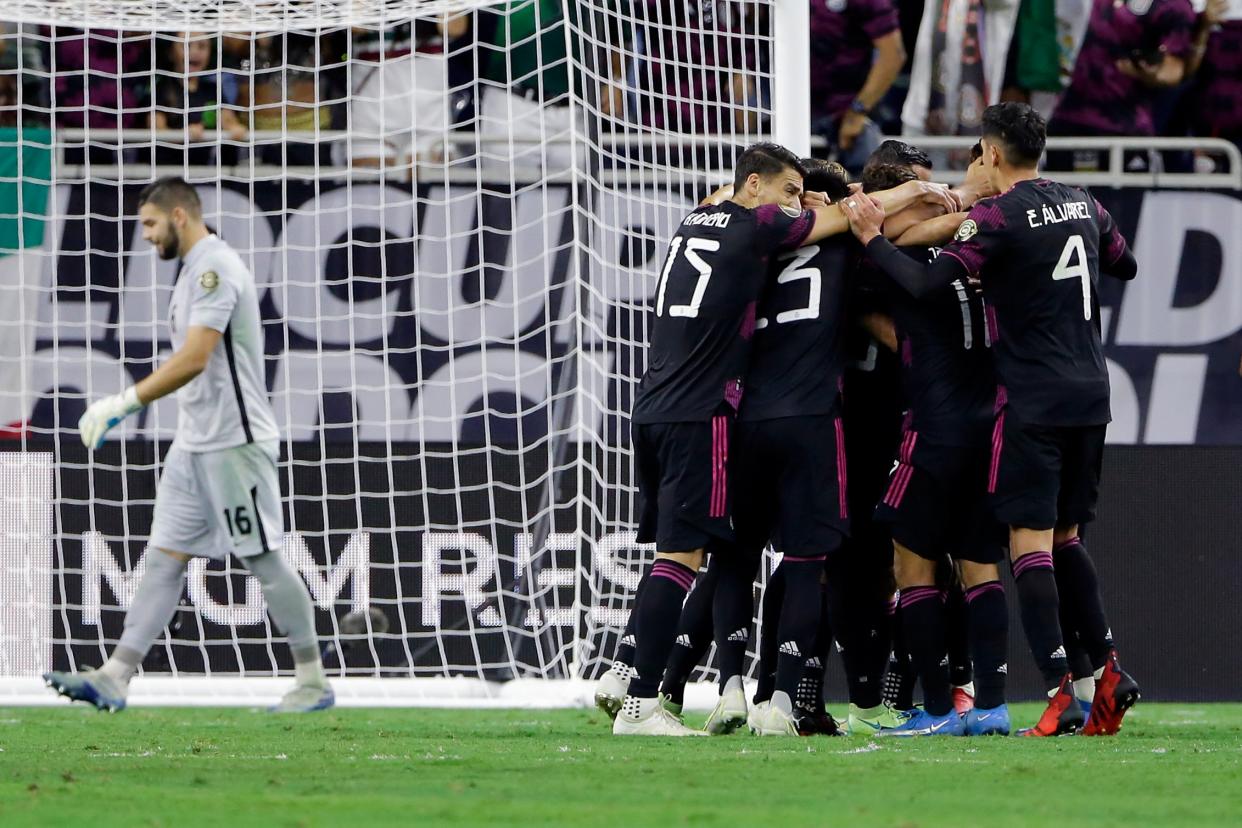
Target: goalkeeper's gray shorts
[214,503]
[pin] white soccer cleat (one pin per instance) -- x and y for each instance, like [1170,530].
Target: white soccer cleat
[648,717]
[90,686]
[610,692]
[774,722]
[756,713]
[305,698]
[730,712]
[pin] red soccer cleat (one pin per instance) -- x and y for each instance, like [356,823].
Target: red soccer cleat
[1062,716]
[964,699]
[1115,693]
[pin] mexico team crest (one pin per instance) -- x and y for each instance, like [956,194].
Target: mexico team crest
[210,279]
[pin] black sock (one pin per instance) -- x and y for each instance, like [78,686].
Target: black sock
[855,613]
[1079,588]
[667,585]
[626,644]
[923,626]
[694,634]
[957,636]
[733,608]
[773,597]
[799,621]
[989,642]
[811,687]
[1037,599]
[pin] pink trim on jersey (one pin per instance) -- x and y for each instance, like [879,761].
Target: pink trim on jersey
[720,462]
[842,479]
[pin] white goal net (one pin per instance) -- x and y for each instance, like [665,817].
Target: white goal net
[455,214]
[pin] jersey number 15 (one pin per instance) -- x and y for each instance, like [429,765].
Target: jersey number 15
[691,251]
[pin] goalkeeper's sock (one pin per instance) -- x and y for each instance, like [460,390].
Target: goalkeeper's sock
[694,634]
[799,621]
[290,606]
[155,600]
[666,590]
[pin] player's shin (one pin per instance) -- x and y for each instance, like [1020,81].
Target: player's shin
[290,606]
[694,634]
[988,622]
[1038,603]
[155,601]
[667,585]
[799,621]
[732,609]
[1079,588]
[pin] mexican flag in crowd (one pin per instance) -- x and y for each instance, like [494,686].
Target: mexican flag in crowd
[25,189]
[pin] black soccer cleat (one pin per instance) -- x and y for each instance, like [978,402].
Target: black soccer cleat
[815,722]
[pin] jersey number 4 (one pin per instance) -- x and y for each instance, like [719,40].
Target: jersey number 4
[691,251]
[1075,251]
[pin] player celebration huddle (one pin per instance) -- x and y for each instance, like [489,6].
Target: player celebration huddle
[943,347]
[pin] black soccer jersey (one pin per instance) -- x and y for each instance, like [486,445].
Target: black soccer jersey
[945,367]
[795,366]
[1038,249]
[705,308]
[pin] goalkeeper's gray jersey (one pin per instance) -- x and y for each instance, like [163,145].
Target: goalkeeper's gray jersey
[226,405]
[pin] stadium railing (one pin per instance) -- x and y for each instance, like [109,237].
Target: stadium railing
[1115,175]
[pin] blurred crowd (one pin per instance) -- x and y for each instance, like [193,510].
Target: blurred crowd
[679,67]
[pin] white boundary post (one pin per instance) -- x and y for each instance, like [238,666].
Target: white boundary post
[791,75]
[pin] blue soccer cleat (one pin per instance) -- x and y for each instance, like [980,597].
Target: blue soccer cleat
[305,698]
[993,721]
[922,723]
[90,687]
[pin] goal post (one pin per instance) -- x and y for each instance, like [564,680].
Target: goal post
[454,213]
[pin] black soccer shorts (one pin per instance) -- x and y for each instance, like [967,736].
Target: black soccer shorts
[1042,477]
[936,503]
[683,483]
[791,486]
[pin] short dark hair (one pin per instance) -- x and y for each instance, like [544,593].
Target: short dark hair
[765,159]
[898,152]
[1018,129]
[172,191]
[825,177]
[877,177]
[976,152]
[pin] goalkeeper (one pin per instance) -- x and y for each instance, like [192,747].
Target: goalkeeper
[219,493]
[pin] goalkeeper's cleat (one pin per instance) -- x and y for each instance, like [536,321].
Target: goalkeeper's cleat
[672,707]
[921,723]
[868,721]
[1115,693]
[964,698]
[756,712]
[91,687]
[774,721]
[1062,716]
[729,713]
[812,722]
[993,721]
[610,692]
[647,717]
[305,698]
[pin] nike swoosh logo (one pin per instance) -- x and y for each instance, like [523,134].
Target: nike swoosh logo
[938,726]
[985,717]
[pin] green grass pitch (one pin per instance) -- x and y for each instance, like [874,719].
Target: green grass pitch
[1174,764]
